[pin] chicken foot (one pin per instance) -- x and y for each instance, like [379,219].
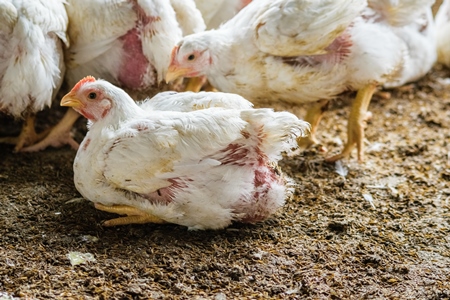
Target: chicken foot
[313,116]
[134,215]
[27,136]
[59,135]
[356,124]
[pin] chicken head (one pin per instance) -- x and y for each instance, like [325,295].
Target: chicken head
[90,101]
[188,60]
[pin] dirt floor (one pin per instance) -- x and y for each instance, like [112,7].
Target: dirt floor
[378,230]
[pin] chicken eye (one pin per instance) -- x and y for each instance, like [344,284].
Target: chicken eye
[191,57]
[92,96]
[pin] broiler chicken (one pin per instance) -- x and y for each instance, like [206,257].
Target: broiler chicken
[32,34]
[202,169]
[302,51]
[443,33]
[126,42]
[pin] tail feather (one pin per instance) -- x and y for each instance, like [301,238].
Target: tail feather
[278,131]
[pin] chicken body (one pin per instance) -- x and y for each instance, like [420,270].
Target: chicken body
[202,169]
[304,52]
[32,34]
[126,42]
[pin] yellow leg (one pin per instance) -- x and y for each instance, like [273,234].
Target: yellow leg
[27,136]
[59,135]
[207,87]
[195,84]
[356,124]
[313,116]
[134,215]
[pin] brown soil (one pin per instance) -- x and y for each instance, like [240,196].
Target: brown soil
[382,231]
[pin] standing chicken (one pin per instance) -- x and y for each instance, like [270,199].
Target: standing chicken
[202,169]
[126,42]
[310,51]
[32,34]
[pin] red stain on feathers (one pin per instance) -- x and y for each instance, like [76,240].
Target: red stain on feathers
[134,64]
[86,144]
[261,204]
[235,154]
[264,176]
[166,195]
[340,47]
[337,51]
[142,15]
[83,81]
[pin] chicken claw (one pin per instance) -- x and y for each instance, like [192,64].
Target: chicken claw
[134,215]
[356,124]
[59,135]
[313,117]
[27,136]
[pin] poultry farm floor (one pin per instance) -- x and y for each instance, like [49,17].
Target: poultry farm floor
[378,230]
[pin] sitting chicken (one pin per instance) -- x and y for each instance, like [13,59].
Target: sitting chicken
[125,42]
[443,33]
[202,169]
[32,34]
[310,51]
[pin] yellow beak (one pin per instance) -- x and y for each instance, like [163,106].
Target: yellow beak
[175,72]
[71,100]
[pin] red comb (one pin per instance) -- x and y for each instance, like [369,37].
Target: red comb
[83,81]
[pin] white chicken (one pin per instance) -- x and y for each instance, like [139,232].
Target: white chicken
[443,33]
[310,51]
[202,169]
[32,34]
[126,42]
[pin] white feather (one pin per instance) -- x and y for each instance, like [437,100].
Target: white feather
[134,153]
[31,60]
